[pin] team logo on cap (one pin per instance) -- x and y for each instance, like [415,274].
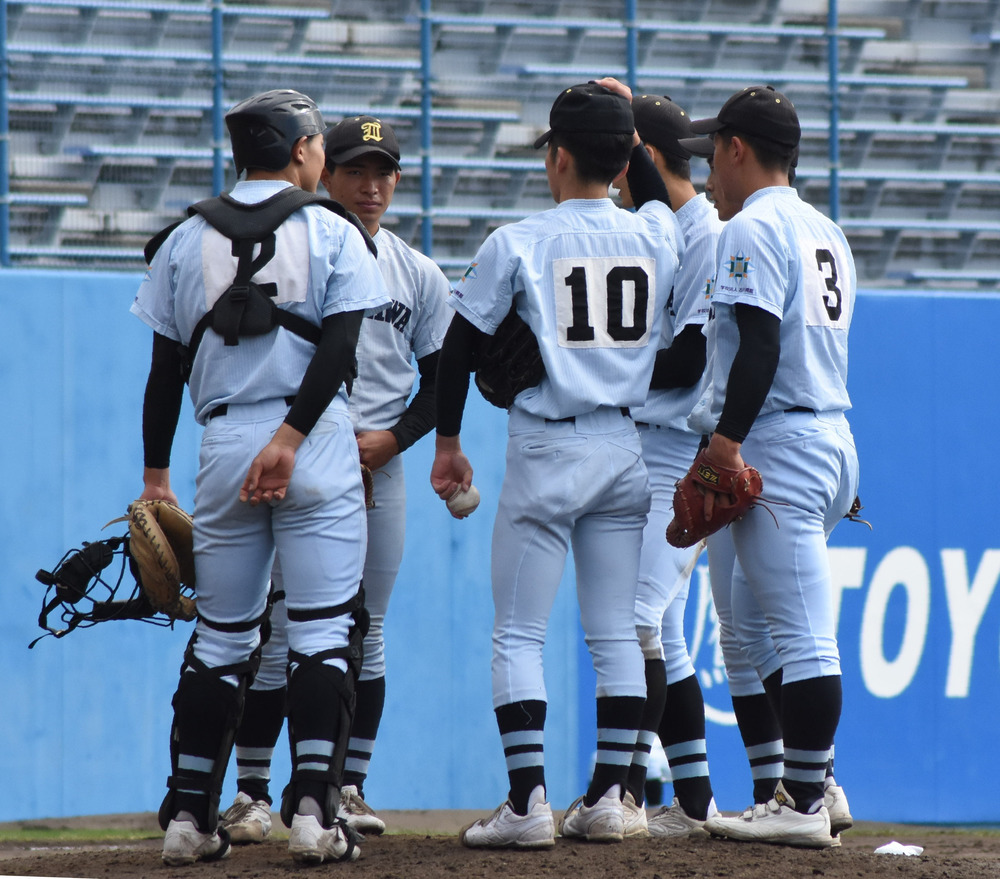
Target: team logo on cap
[371,131]
[739,266]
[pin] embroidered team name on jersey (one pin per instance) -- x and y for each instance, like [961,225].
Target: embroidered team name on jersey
[604,302]
[395,313]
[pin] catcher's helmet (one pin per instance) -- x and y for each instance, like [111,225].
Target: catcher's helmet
[263,129]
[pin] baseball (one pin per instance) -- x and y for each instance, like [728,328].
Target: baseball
[463,503]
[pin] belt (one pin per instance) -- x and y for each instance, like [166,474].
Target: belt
[224,408]
[571,419]
[801,409]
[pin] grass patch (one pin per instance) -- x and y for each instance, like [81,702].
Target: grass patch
[27,833]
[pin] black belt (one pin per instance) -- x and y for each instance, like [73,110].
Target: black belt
[224,408]
[801,409]
[570,419]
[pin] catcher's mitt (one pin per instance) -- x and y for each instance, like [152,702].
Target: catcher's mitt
[162,547]
[689,524]
[509,362]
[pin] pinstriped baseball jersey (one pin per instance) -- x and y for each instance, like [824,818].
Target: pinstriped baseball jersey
[781,254]
[700,225]
[592,282]
[412,325]
[321,267]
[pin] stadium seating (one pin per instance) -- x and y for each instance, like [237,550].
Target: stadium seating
[112,110]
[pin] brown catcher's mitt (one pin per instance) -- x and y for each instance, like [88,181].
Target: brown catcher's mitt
[162,547]
[689,525]
[369,483]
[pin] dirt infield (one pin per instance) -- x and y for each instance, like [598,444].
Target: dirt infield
[424,845]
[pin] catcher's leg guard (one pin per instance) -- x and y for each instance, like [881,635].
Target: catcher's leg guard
[320,712]
[321,702]
[207,712]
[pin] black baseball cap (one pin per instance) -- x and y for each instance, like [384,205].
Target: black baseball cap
[591,108]
[358,136]
[758,110]
[661,123]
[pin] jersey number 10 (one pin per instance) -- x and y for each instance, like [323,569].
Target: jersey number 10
[603,304]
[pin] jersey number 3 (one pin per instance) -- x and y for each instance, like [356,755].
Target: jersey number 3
[604,302]
[828,297]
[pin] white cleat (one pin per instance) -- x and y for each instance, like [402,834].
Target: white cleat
[247,820]
[311,843]
[778,823]
[602,822]
[635,817]
[672,822]
[506,829]
[184,844]
[836,804]
[357,813]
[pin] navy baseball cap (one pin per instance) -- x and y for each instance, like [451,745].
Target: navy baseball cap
[758,110]
[591,108]
[358,136]
[661,123]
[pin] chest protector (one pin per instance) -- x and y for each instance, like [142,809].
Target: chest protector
[247,308]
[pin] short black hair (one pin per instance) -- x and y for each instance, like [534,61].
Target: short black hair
[772,155]
[599,157]
[676,165]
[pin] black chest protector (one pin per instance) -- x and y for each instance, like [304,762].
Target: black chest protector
[247,308]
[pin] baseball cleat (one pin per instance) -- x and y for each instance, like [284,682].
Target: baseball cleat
[602,822]
[672,822]
[776,822]
[836,804]
[506,829]
[311,843]
[357,813]
[184,844]
[635,817]
[247,820]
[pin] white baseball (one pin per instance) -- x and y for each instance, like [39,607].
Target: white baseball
[462,503]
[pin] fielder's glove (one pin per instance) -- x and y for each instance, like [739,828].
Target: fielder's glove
[162,547]
[509,363]
[689,524]
[368,481]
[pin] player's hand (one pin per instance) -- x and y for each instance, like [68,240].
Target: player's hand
[726,453]
[156,484]
[616,86]
[377,448]
[451,469]
[271,471]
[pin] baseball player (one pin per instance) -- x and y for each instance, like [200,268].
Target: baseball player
[668,446]
[591,281]
[361,172]
[782,304]
[756,719]
[279,469]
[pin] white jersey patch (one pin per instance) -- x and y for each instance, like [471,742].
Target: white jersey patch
[826,292]
[604,302]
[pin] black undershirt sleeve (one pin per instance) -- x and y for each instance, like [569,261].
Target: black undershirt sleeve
[680,365]
[644,181]
[161,404]
[331,366]
[418,419]
[752,371]
[457,360]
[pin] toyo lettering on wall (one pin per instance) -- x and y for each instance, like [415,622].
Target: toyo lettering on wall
[887,664]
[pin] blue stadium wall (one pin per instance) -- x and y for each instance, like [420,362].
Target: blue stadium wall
[84,720]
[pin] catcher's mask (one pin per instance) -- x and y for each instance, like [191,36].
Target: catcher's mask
[88,586]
